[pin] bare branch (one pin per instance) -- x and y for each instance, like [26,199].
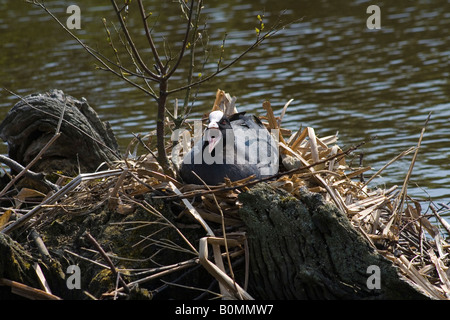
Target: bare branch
[272,31]
[97,55]
[108,261]
[185,40]
[192,58]
[130,54]
[132,45]
[149,36]
[258,41]
[222,49]
[38,177]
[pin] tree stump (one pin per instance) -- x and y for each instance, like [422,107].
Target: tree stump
[85,141]
[307,249]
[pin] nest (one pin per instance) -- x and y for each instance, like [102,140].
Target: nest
[390,220]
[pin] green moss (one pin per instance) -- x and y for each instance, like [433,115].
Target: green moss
[137,293]
[102,282]
[16,264]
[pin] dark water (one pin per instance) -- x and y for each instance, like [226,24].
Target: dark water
[342,76]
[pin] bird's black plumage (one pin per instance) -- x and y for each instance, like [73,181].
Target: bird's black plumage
[241,147]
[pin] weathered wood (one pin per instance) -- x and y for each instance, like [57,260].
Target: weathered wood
[307,249]
[85,141]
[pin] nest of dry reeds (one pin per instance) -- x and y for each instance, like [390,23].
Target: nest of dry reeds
[390,220]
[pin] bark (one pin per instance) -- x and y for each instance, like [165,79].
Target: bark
[307,249]
[84,144]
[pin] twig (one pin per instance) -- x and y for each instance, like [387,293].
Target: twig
[401,155]
[258,41]
[149,208]
[86,259]
[444,223]
[149,36]
[171,269]
[113,196]
[131,43]
[184,43]
[195,37]
[205,291]
[38,177]
[408,175]
[43,282]
[97,55]
[138,138]
[418,278]
[283,111]
[247,262]
[108,261]
[55,197]
[223,226]
[32,162]
[58,127]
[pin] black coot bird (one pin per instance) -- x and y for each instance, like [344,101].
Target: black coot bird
[234,147]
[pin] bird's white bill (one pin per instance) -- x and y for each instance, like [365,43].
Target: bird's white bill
[213,136]
[214,118]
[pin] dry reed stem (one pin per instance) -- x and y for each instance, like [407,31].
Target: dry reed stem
[193,212]
[233,288]
[216,250]
[443,222]
[58,195]
[26,291]
[42,280]
[283,112]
